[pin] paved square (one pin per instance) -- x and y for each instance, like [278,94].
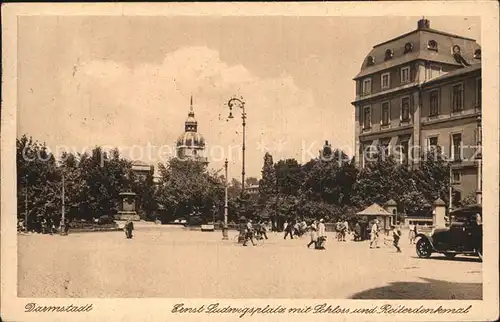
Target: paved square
[170,262]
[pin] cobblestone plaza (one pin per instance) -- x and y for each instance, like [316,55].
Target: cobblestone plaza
[171,262]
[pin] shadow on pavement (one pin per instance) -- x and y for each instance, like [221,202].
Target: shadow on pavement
[431,290]
[456,259]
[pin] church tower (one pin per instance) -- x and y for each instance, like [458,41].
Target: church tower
[191,144]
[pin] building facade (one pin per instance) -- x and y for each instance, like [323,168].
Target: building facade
[191,144]
[142,170]
[419,90]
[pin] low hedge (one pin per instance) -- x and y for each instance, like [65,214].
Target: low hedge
[89,225]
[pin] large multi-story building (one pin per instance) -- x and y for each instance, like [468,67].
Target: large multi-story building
[419,90]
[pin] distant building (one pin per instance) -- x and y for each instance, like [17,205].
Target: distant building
[252,189]
[191,144]
[142,170]
[326,152]
[419,90]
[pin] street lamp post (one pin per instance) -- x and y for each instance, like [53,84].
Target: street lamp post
[63,217]
[239,102]
[225,228]
[26,204]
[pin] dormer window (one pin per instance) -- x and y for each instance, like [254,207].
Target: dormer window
[408,47]
[388,54]
[477,54]
[370,61]
[432,45]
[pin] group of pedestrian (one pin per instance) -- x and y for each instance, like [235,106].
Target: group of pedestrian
[40,225]
[318,234]
[295,228]
[342,228]
[257,231]
[375,235]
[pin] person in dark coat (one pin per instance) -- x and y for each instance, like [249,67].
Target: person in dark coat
[129,227]
[289,230]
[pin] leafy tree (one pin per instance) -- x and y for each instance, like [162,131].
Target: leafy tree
[187,188]
[37,179]
[251,181]
[330,180]
[145,191]
[104,175]
[376,182]
[289,176]
[234,189]
[267,185]
[432,177]
[470,199]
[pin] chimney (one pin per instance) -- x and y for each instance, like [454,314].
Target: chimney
[423,24]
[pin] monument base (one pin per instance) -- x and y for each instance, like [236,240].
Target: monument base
[127,215]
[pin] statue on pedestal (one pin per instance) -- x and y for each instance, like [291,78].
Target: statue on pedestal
[127,210]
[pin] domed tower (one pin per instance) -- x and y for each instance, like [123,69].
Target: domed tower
[191,144]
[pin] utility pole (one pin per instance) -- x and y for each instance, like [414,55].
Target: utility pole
[225,228]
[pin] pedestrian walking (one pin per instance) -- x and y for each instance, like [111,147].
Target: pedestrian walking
[314,234]
[288,230]
[249,233]
[263,229]
[296,231]
[396,235]
[320,244]
[374,235]
[129,227]
[357,232]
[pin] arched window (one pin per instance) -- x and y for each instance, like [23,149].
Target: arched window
[477,54]
[389,53]
[408,47]
[432,45]
[370,61]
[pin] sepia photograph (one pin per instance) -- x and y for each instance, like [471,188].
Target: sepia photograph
[249,157]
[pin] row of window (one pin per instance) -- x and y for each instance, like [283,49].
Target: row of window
[431,45]
[385,80]
[405,114]
[457,98]
[456,147]
[457,105]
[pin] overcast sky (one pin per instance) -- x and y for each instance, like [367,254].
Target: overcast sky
[127,81]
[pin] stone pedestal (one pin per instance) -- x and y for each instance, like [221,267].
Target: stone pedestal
[127,211]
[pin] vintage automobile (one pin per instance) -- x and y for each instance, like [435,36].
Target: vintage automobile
[464,235]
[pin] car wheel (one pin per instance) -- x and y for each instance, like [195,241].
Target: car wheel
[450,255]
[424,249]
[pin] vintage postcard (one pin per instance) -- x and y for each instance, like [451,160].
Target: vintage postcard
[250,161]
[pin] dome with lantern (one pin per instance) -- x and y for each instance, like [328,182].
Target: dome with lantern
[191,144]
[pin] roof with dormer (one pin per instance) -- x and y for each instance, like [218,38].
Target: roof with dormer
[417,45]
